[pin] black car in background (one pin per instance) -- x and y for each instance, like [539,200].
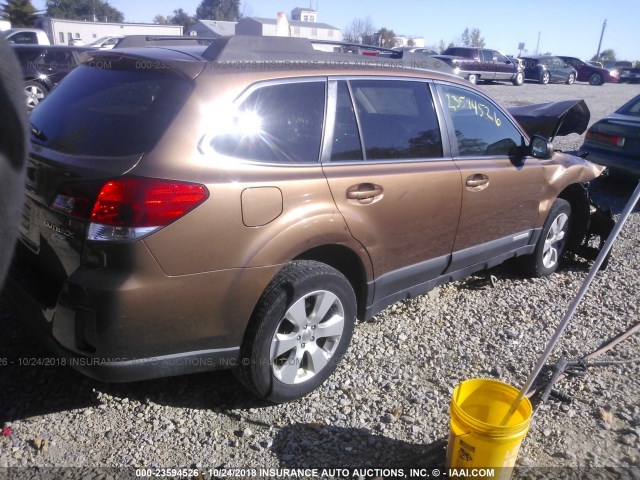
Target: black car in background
[43,66]
[548,69]
[614,141]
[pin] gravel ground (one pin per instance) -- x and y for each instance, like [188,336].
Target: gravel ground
[387,406]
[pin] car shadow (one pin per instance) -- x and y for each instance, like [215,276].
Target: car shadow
[304,445]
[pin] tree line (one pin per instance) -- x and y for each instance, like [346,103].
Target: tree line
[22,13]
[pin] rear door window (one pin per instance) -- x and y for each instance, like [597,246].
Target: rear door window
[397,121]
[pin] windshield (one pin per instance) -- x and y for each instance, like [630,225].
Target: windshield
[108,112]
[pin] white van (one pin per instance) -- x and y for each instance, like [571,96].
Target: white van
[26,36]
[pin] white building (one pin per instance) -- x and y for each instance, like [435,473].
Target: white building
[267,27]
[404,41]
[61,31]
[213,29]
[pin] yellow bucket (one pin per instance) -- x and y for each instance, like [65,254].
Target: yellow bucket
[476,439]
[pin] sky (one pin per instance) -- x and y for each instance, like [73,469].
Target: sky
[564,27]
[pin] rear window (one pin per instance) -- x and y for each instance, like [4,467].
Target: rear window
[109,112]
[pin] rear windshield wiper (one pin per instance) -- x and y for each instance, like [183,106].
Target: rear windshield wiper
[36,132]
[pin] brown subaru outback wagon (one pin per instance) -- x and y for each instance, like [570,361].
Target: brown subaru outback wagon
[240,205]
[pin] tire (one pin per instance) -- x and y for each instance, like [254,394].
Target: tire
[34,92]
[595,79]
[519,79]
[473,78]
[552,242]
[544,78]
[298,333]
[571,79]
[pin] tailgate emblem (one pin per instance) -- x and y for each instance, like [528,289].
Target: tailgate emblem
[57,229]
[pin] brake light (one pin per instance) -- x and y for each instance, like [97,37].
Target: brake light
[614,140]
[128,208]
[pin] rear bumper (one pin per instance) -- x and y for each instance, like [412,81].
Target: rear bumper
[157,327]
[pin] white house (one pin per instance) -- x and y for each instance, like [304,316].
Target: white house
[267,27]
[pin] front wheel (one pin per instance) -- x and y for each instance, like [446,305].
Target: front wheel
[544,78]
[298,333]
[519,79]
[571,79]
[595,79]
[473,78]
[34,93]
[552,242]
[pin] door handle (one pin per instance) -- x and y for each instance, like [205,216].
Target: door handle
[364,192]
[477,182]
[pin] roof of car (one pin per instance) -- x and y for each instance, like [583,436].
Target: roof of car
[241,53]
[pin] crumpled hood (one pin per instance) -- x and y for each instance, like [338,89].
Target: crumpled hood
[551,119]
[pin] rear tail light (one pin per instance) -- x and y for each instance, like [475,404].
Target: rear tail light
[128,208]
[613,140]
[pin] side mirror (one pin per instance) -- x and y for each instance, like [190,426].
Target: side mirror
[541,148]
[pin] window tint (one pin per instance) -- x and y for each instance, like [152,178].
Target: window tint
[397,119]
[480,128]
[24,38]
[102,112]
[346,139]
[486,55]
[277,123]
[58,59]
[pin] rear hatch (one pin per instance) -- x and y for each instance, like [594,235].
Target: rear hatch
[95,126]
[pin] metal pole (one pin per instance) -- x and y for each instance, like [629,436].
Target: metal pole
[574,305]
[600,42]
[538,45]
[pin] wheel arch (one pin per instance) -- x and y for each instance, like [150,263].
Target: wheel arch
[577,196]
[347,262]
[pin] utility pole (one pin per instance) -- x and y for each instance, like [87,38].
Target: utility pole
[538,45]
[604,25]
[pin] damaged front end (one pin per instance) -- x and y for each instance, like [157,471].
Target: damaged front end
[591,228]
[592,224]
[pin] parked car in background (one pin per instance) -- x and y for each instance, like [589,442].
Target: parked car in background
[614,141]
[184,219]
[416,50]
[548,69]
[76,42]
[631,75]
[21,36]
[483,64]
[589,73]
[105,42]
[43,66]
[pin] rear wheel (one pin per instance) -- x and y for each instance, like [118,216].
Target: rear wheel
[519,79]
[552,242]
[35,93]
[595,79]
[300,330]
[544,78]
[571,79]
[473,78]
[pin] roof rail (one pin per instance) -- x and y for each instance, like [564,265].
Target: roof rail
[350,47]
[130,41]
[252,47]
